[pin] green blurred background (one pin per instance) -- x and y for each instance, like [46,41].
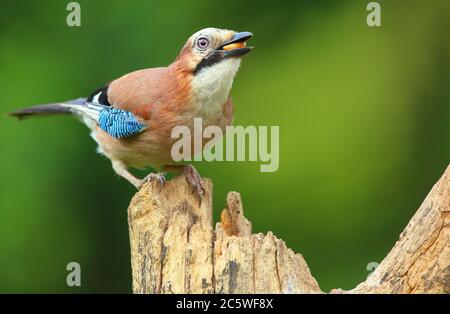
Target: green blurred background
[364,116]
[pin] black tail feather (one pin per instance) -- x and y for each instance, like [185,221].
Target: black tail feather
[46,110]
[42,110]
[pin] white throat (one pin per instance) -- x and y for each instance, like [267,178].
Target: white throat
[212,85]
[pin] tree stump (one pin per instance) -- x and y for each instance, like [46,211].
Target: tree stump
[175,249]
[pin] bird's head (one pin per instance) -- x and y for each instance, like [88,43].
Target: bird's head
[210,59]
[212,46]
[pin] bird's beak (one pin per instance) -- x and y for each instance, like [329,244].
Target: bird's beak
[236,46]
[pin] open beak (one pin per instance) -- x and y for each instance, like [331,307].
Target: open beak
[236,46]
[233,48]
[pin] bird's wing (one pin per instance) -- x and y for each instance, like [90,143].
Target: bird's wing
[142,96]
[122,107]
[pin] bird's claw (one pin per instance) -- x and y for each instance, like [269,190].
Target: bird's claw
[156,177]
[195,181]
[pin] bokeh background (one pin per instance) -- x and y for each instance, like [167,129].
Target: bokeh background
[364,116]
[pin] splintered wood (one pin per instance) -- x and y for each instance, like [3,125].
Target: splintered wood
[175,249]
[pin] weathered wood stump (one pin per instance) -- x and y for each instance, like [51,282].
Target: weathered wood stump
[174,248]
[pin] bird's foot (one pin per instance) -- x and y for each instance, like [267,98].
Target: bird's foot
[155,177]
[195,181]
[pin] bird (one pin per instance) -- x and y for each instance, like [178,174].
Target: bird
[131,117]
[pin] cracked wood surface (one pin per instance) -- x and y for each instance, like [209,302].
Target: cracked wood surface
[175,249]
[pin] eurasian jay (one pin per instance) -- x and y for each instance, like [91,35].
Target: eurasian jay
[132,117]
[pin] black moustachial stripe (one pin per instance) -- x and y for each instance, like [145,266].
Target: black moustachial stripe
[103,97]
[212,59]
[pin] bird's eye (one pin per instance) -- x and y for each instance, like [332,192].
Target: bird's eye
[202,43]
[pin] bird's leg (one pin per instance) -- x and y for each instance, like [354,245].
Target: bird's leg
[122,170]
[192,176]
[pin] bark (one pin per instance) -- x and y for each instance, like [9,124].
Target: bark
[175,249]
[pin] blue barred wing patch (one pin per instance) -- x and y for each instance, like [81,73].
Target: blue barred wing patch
[119,123]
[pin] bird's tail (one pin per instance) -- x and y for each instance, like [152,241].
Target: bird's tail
[49,109]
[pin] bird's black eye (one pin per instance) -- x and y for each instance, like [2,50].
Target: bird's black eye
[202,43]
